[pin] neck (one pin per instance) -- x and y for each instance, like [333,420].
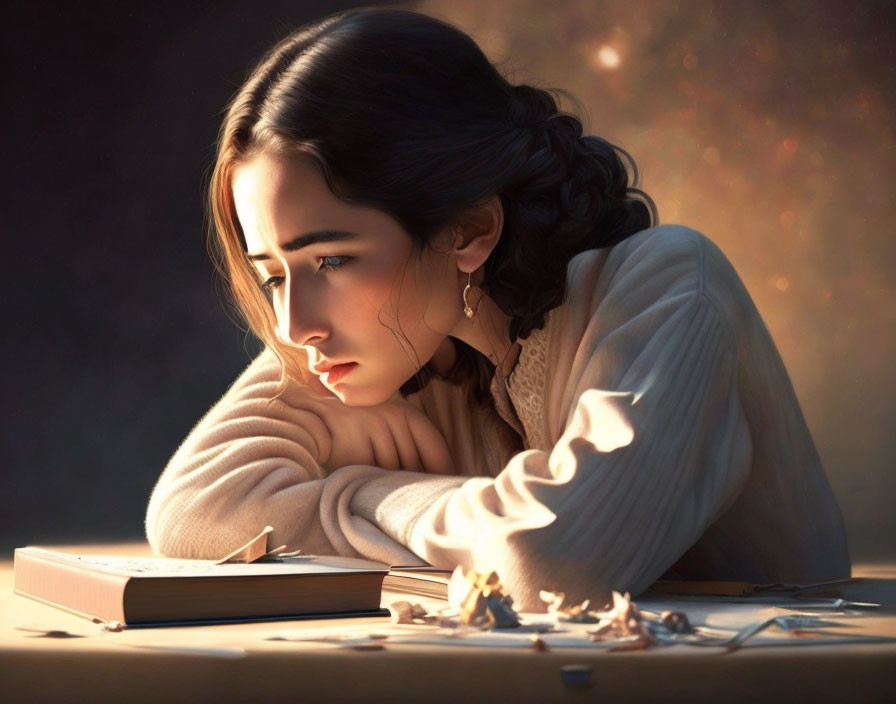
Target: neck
[488,332]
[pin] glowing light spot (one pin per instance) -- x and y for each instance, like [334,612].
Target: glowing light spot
[712,156]
[782,283]
[787,218]
[690,61]
[607,57]
[790,145]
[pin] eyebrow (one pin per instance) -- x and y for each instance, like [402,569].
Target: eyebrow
[296,243]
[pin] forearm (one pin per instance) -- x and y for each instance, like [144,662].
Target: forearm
[193,515]
[198,518]
[254,460]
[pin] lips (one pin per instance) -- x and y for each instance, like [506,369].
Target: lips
[336,372]
[324,367]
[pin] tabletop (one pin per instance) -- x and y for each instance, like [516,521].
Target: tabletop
[50,655]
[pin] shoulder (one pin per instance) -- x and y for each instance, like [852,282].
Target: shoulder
[634,301]
[657,263]
[658,257]
[660,268]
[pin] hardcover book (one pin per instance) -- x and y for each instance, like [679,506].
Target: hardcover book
[154,591]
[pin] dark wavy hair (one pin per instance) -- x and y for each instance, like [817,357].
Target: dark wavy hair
[403,112]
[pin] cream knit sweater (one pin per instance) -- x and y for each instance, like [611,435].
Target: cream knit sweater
[648,428]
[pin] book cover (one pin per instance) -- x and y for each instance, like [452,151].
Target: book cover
[143,591]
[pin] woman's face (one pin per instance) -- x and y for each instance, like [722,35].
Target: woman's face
[344,282]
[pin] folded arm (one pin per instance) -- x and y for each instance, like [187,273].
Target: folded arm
[654,447]
[649,446]
[255,460]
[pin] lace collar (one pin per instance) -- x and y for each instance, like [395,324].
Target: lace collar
[519,397]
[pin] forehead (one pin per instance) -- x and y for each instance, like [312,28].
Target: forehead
[277,199]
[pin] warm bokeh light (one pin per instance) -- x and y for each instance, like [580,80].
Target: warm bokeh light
[607,57]
[771,129]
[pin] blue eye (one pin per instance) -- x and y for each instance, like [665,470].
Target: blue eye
[328,264]
[332,267]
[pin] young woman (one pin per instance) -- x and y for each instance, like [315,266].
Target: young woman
[480,349]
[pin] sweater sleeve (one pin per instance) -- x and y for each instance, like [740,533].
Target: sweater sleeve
[655,446]
[289,462]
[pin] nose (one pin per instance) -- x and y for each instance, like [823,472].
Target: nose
[302,317]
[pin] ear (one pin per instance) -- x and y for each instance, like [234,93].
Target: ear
[476,233]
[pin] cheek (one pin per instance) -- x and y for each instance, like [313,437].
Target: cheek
[412,297]
[364,311]
[397,292]
[438,305]
[433,288]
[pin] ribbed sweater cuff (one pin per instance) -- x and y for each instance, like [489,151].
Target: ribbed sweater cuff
[397,500]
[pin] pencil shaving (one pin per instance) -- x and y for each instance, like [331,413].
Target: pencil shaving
[623,621]
[538,644]
[485,605]
[406,612]
[251,551]
[576,613]
[257,549]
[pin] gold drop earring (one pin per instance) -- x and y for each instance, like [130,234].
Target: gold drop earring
[468,311]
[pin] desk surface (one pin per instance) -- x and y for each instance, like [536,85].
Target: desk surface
[335,660]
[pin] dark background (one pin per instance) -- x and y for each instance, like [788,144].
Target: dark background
[118,338]
[768,126]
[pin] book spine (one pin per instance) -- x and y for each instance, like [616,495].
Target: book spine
[84,592]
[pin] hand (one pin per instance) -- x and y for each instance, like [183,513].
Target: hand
[392,435]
